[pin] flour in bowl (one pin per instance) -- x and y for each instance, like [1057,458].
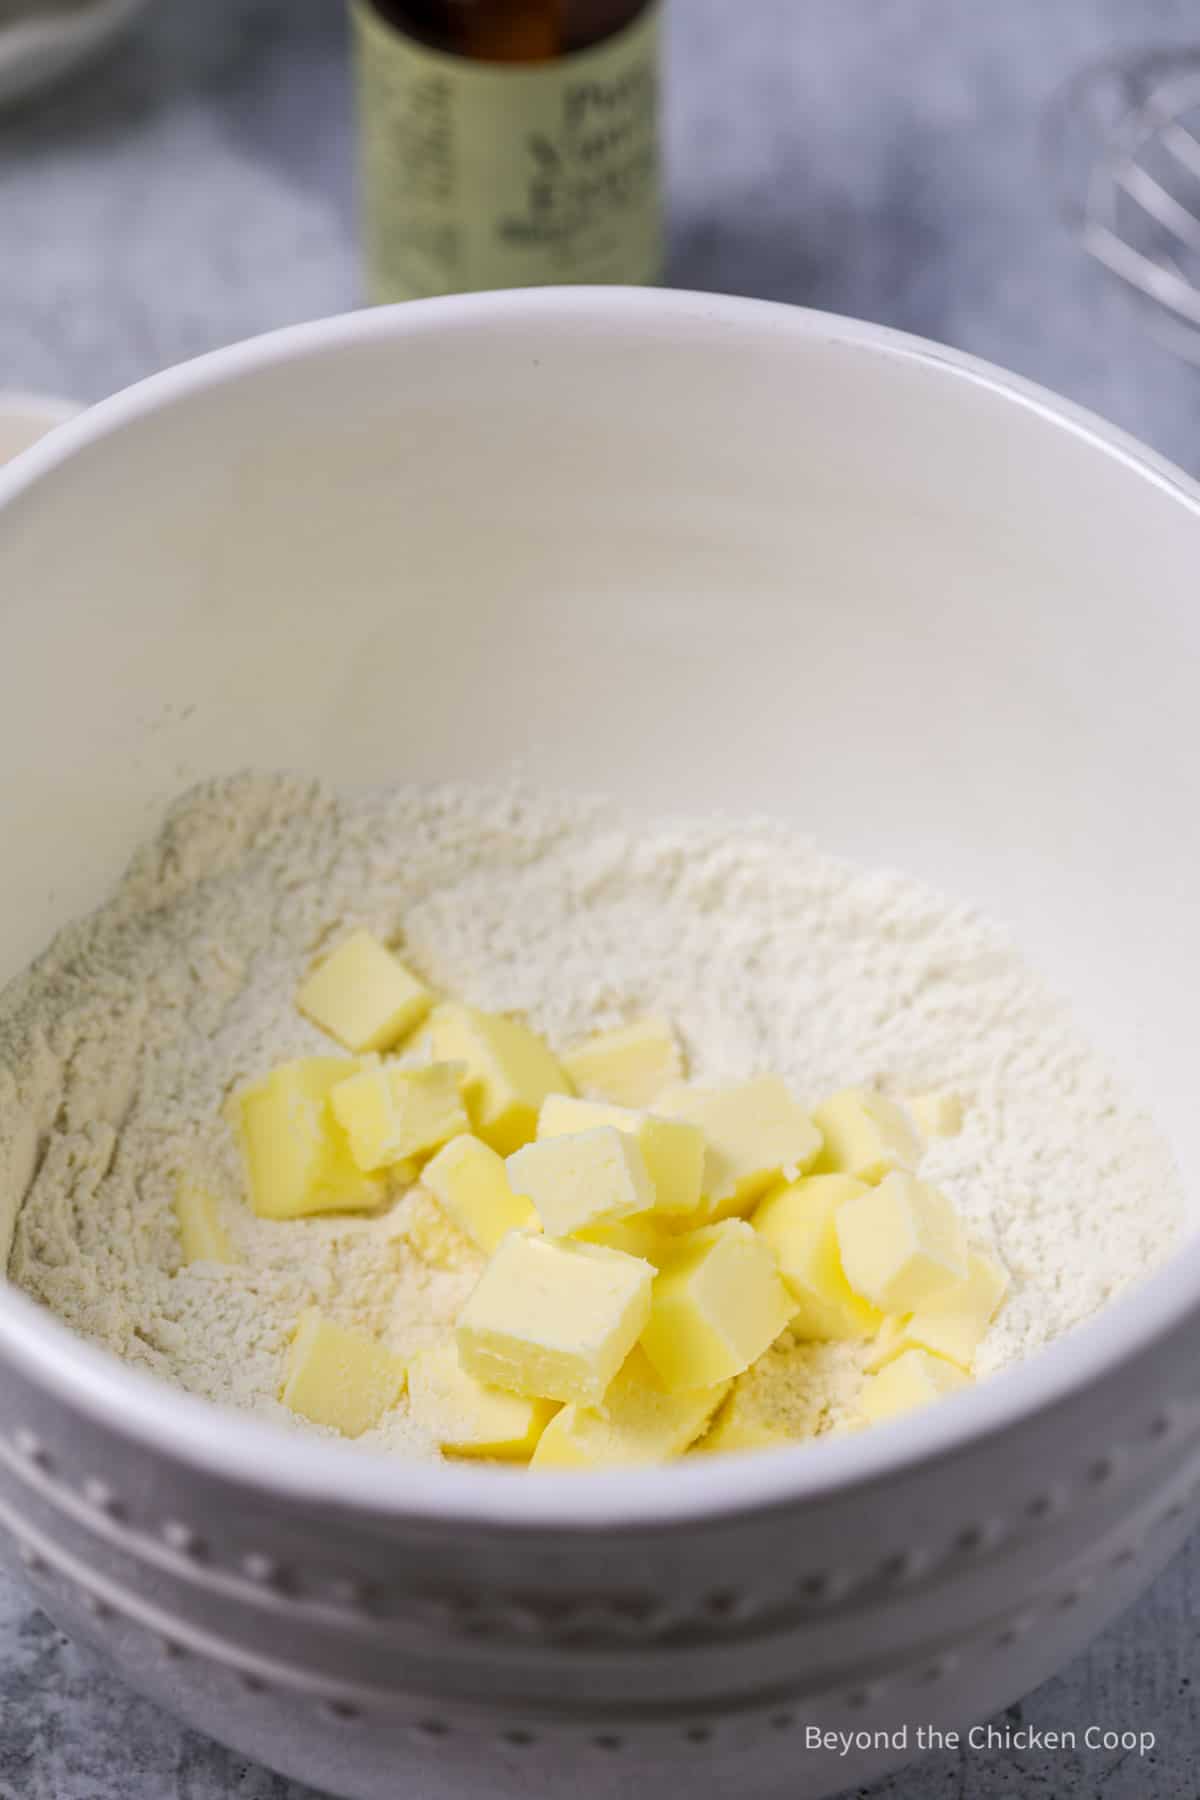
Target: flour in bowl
[120,1047]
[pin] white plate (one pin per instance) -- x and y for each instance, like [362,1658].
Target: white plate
[36,51]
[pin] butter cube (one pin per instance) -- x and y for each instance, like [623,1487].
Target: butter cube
[340,1378]
[464,1417]
[913,1380]
[296,1155]
[638,1423]
[629,1066]
[202,1237]
[718,1303]
[866,1135]
[391,1114]
[582,1180]
[798,1223]
[509,1072]
[739,1428]
[470,1181]
[890,1341]
[554,1321]
[673,1150]
[433,1234]
[901,1243]
[954,1322]
[364,996]
[755,1133]
[938,1115]
[642,1236]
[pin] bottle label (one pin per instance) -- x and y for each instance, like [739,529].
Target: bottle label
[493,175]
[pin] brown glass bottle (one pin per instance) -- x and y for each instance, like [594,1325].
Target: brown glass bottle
[508,143]
[510,30]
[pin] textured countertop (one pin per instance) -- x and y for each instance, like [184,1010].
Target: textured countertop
[877,159]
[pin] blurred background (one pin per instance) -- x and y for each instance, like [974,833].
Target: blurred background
[195,184]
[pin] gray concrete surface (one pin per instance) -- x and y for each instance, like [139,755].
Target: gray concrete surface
[878,159]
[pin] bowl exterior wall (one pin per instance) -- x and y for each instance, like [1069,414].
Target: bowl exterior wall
[361,1653]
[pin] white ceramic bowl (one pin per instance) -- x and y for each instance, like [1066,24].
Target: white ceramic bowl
[697,552]
[26,418]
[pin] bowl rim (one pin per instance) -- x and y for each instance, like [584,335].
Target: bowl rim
[225,1445]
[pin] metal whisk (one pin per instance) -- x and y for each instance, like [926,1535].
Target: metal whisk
[1125,141]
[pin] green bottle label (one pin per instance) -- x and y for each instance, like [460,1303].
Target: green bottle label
[484,175]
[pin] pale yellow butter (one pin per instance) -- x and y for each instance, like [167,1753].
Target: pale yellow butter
[629,1066]
[340,1378]
[718,1303]
[866,1135]
[798,1223]
[938,1115]
[554,1320]
[297,1158]
[914,1379]
[952,1323]
[644,1235]
[636,1424]
[673,1150]
[469,1179]
[582,1179]
[391,1114]
[364,996]
[890,1342]
[740,1427]
[464,1417]
[202,1237]
[755,1133]
[509,1072]
[434,1235]
[901,1243]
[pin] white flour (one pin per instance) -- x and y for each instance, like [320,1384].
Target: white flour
[118,1049]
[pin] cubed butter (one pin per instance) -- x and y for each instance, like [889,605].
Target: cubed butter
[888,1343]
[469,1179]
[718,1303]
[755,1133]
[340,1378]
[464,1417]
[901,1243]
[629,1066]
[509,1072]
[554,1320]
[642,1236]
[938,1115]
[297,1158]
[673,1149]
[798,1222]
[433,1234]
[954,1322]
[866,1135]
[583,1179]
[390,1114]
[364,996]
[202,1237]
[637,1423]
[742,1426]
[914,1379]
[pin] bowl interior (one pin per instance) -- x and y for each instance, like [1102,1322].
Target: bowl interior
[26,418]
[696,553]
